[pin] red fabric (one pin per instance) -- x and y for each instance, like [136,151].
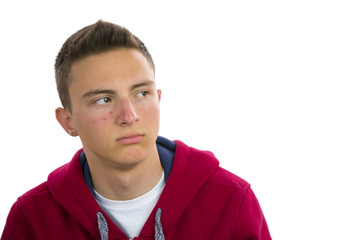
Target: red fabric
[200,201]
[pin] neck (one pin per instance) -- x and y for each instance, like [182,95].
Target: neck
[126,183]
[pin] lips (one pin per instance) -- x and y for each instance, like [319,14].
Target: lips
[130,139]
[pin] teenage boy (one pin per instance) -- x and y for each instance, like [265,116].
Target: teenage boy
[127,182]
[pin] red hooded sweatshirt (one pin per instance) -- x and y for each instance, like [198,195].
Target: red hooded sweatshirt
[200,201]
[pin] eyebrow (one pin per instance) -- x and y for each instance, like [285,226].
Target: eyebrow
[112,92]
[97,92]
[142,84]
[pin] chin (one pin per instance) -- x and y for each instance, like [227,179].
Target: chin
[132,155]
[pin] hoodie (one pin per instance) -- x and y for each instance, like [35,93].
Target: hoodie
[200,201]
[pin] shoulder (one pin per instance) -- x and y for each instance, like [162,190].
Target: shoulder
[41,192]
[22,208]
[224,177]
[204,158]
[227,186]
[203,166]
[41,189]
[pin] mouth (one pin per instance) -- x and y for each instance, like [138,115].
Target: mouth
[130,139]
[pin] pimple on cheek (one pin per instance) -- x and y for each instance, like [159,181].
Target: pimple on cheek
[109,115]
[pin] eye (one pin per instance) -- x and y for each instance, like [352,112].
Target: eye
[142,94]
[103,100]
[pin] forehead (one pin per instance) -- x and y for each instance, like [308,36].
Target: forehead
[123,56]
[120,66]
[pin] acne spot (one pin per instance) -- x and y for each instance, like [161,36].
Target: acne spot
[104,118]
[111,114]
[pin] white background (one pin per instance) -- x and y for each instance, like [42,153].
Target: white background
[271,87]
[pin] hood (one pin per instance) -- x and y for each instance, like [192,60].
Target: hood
[69,190]
[190,169]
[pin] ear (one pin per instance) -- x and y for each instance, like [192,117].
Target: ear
[159,91]
[63,116]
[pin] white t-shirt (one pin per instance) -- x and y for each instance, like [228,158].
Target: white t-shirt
[130,216]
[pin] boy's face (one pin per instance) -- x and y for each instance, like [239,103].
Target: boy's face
[115,107]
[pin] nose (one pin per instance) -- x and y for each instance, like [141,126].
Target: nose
[127,115]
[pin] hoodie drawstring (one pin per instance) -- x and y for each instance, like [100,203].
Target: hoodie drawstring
[104,229]
[103,226]
[159,235]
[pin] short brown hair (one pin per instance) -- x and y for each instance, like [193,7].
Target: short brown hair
[93,39]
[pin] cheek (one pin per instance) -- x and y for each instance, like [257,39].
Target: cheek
[151,113]
[103,118]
